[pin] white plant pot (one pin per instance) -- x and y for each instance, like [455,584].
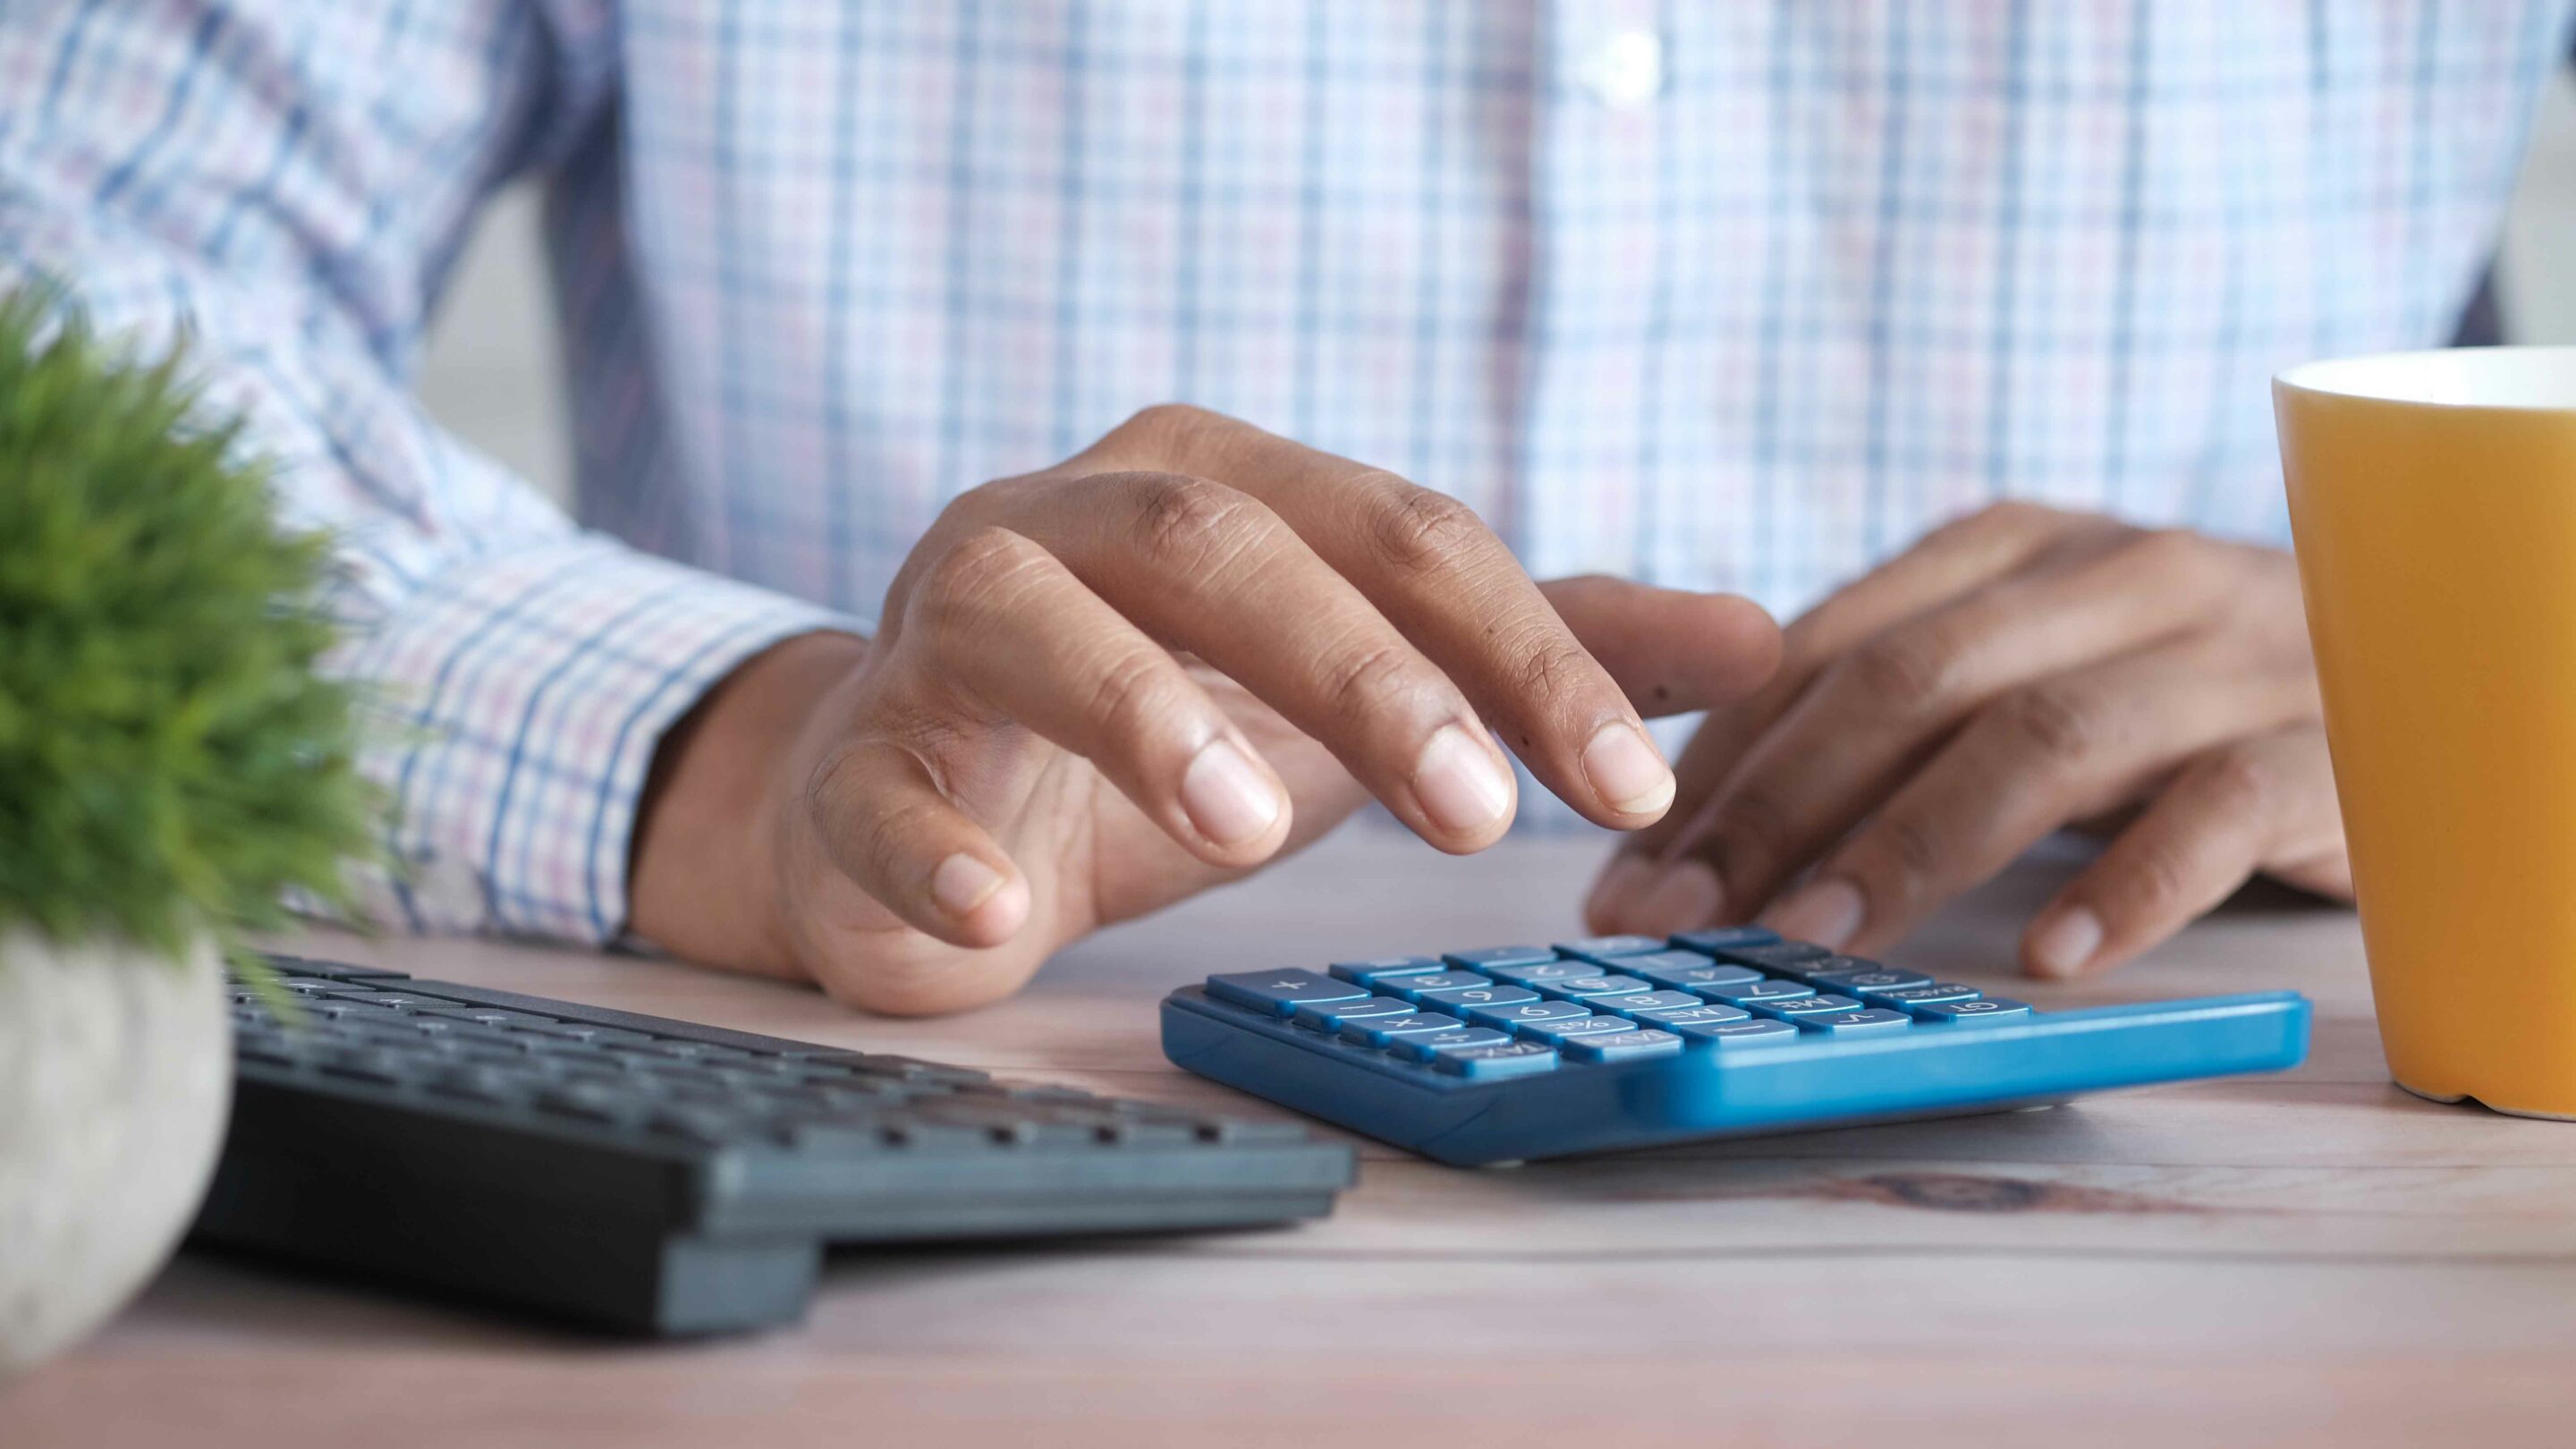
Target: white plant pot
[115,1081]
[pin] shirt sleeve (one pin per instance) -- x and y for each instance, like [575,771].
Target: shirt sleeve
[278,184]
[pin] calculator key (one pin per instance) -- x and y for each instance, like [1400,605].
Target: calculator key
[1378,1031]
[1462,999]
[1583,988]
[1486,958]
[1631,1003]
[1427,1045]
[1725,938]
[1753,1031]
[1698,1014]
[1511,1014]
[1746,993]
[1279,993]
[1623,1046]
[1804,1005]
[1984,1008]
[1903,996]
[1328,1016]
[1416,988]
[1538,972]
[1871,978]
[1558,1033]
[1607,949]
[1683,970]
[1861,1021]
[1486,1063]
[1365,973]
[1778,956]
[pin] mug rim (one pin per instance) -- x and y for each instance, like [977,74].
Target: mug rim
[2492,379]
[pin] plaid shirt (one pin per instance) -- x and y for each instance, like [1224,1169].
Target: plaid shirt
[1714,292]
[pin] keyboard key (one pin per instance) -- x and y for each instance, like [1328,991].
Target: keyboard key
[1623,1046]
[488,1015]
[1746,993]
[1509,1015]
[1983,1009]
[1328,1016]
[1366,973]
[1488,1063]
[1803,1005]
[1540,972]
[1697,1014]
[1753,1031]
[1488,957]
[1725,938]
[1631,1003]
[1862,1021]
[1873,977]
[1779,956]
[1903,996]
[1608,949]
[1683,970]
[1279,993]
[1464,999]
[1378,1031]
[1583,988]
[1558,1033]
[1424,1047]
[1416,988]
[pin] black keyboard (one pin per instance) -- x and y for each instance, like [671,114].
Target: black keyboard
[652,1176]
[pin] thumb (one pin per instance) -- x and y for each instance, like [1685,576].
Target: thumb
[1672,650]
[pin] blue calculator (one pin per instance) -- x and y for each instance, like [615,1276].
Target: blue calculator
[1516,1052]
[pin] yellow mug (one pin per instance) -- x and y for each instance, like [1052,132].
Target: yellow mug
[2433,502]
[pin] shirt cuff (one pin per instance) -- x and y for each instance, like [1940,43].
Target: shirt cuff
[520,697]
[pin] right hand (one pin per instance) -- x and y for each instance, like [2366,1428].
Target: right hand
[1106,685]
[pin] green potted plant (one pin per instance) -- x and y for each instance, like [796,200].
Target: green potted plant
[170,768]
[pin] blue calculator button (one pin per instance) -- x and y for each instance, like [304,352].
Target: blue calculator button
[1426,1045]
[1558,1033]
[1462,999]
[1415,988]
[1746,993]
[1698,1014]
[1804,1005]
[1984,1008]
[1870,978]
[1378,1031]
[1367,972]
[1753,1031]
[1488,957]
[1623,1046]
[1607,949]
[1537,972]
[1683,970]
[1279,993]
[1485,1063]
[1511,1014]
[1630,1003]
[1861,1021]
[1328,1016]
[1780,956]
[1921,995]
[1584,988]
[1726,938]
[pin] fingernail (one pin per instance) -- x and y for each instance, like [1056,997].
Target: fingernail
[961,883]
[1459,784]
[2065,943]
[1826,912]
[1685,896]
[1226,795]
[1615,893]
[1627,772]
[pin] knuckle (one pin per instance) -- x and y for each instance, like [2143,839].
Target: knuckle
[1418,530]
[1909,670]
[1548,668]
[2054,724]
[1188,523]
[2157,883]
[1135,695]
[1365,680]
[970,572]
[2176,554]
[2240,784]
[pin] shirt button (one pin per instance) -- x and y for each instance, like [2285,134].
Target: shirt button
[1625,69]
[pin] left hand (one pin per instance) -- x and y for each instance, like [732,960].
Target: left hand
[2016,672]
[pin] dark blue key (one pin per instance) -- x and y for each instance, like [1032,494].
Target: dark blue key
[1423,1046]
[1486,958]
[1964,1013]
[1725,938]
[1872,977]
[1607,950]
[1378,1031]
[1769,988]
[1508,1016]
[1537,972]
[1698,1014]
[1861,1021]
[1584,988]
[1628,1004]
[1558,1033]
[1754,1031]
[1412,988]
[1803,1005]
[1778,956]
[1463,999]
[1683,970]
[1328,1016]
[1366,973]
[1922,995]
[1622,1046]
[1279,993]
[1487,1063]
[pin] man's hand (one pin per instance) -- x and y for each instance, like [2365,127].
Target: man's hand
[2016,672]
[1101,687]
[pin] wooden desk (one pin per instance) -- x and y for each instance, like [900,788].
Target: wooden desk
[2316,1258]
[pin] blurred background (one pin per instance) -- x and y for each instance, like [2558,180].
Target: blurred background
[490,372]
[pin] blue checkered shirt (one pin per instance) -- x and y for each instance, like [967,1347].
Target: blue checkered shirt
[1728,295]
